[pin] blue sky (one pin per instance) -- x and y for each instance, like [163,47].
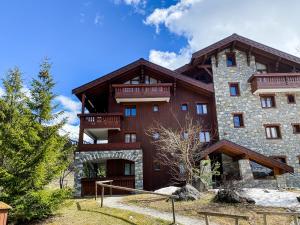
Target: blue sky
[86,39]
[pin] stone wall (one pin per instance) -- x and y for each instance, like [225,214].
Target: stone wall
[133,155]
[253,135]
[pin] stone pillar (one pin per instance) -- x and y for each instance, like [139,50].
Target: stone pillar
[78,173]
[245,170]
[281,181]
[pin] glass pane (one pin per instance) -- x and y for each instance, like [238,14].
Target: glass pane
[185,135]
[132,169]
[155,108]
[207,136]
[274,132]
[184,107]
[127,138]
[268,132]
[133,111]
[204,109]
[127,169]
[199,109]
[269,102]
[263,103]
[202,137]
[133,137]
[233,91]
[127,111]
[236,121]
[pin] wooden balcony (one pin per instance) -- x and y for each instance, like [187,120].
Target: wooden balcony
[108,147]
[275,82]
[142,92]
[101,120]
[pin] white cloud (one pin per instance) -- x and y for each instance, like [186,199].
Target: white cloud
[1,91]
[138,5]
[68,103]
[203,22]
[98,19]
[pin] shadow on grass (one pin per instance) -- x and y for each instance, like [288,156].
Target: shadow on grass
[103,213]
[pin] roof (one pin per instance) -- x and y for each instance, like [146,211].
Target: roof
[235,37]
[208,88]
[233,149]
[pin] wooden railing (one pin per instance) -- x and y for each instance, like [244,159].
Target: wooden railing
[142,90]
[101,120]
[274,81]
[108,146]
[103,185]
[88,184]
[236,218]
[295,216]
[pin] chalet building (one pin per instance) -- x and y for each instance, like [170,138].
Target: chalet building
[243,91]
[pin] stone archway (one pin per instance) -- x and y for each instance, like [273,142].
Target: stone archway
[135,156]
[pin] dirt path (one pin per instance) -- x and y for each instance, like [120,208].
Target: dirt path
[115,202]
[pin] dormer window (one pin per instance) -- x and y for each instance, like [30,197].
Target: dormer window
[230,59]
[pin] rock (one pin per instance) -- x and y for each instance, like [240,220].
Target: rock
[298,198]
[232,196]
[187,193]
[167,190]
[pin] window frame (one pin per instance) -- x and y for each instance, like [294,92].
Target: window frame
[187,107]
[130,107]
[295,129]
[271,96]
[238,91]
[202,103]
[278,130]
[242,121]
[205,132]
[233,55]
[131,169]
[288,101]
[130,137]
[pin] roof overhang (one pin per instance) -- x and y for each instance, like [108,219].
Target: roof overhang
[238,151]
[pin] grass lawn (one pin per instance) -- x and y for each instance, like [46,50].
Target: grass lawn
[207,204]
[88,212]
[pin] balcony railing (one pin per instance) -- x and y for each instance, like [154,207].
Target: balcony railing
[142,92]
[101,120]
[108,147]
[275,82]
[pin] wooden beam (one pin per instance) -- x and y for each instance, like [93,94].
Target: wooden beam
[83,97]
[232,47]
[277,64]
[249,56]
[208,71]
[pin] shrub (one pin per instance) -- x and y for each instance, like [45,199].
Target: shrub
[37,205]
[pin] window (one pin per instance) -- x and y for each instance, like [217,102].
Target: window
[185,135]
[267,101]
[129,169]
[130,138]
[280,158]
[204,136]
[156,136]
[291,99]
[234,89]
[230,59]
[201,109]
[296,128]
[272,131]
[156,166]
[155,108]
[130,111]
[238,120]
[184,107]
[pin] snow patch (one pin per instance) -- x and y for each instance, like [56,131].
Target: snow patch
[167,190]
[273,198]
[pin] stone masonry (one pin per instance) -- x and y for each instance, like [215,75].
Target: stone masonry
[133,155]
[252,136]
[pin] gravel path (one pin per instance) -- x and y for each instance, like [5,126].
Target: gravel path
[115,202]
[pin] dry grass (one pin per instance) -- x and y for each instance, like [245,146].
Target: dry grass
[191,208]
[88,212]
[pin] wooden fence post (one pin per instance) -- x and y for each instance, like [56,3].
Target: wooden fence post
[173,210]
[236,221]
[102,196]
[110,189]
[296,220]
[96,190]
[206,219]
[265,219]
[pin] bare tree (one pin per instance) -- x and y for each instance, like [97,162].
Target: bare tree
[180,150]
